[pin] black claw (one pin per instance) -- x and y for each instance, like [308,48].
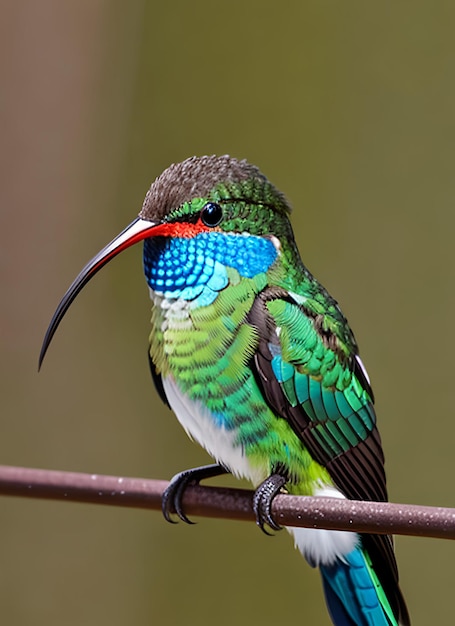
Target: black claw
[173,495]
[171,501]
[262,502]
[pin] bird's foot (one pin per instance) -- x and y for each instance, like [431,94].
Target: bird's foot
[171,501]
[262,501]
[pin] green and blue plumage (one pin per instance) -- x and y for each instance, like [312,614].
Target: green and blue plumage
[259,364]
[266,352]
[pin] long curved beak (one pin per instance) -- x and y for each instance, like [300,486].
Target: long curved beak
[137,231]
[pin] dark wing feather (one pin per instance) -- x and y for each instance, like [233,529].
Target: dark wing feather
[158,382]
[357,469]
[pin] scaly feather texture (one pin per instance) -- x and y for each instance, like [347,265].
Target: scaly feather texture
[261,367]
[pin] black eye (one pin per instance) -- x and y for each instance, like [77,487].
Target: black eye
[211,214]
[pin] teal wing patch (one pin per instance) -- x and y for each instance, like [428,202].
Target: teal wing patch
[311,379]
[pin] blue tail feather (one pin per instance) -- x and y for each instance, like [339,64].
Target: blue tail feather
[353,594]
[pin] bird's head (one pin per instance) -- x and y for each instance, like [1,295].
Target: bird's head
[198,203]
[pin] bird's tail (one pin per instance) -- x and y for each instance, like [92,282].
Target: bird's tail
[354,594]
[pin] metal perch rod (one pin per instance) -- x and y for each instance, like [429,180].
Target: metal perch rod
[311,512]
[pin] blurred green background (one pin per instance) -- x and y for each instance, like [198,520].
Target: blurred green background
[350,109]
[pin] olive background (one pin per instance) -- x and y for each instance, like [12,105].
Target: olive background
[348,107]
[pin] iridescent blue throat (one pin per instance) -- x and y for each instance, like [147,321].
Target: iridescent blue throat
[195,268]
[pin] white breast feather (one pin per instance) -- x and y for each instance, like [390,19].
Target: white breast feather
[219,442]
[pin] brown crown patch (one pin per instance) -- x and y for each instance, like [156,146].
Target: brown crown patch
[195,177]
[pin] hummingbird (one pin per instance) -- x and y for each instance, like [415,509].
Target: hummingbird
[260,366]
